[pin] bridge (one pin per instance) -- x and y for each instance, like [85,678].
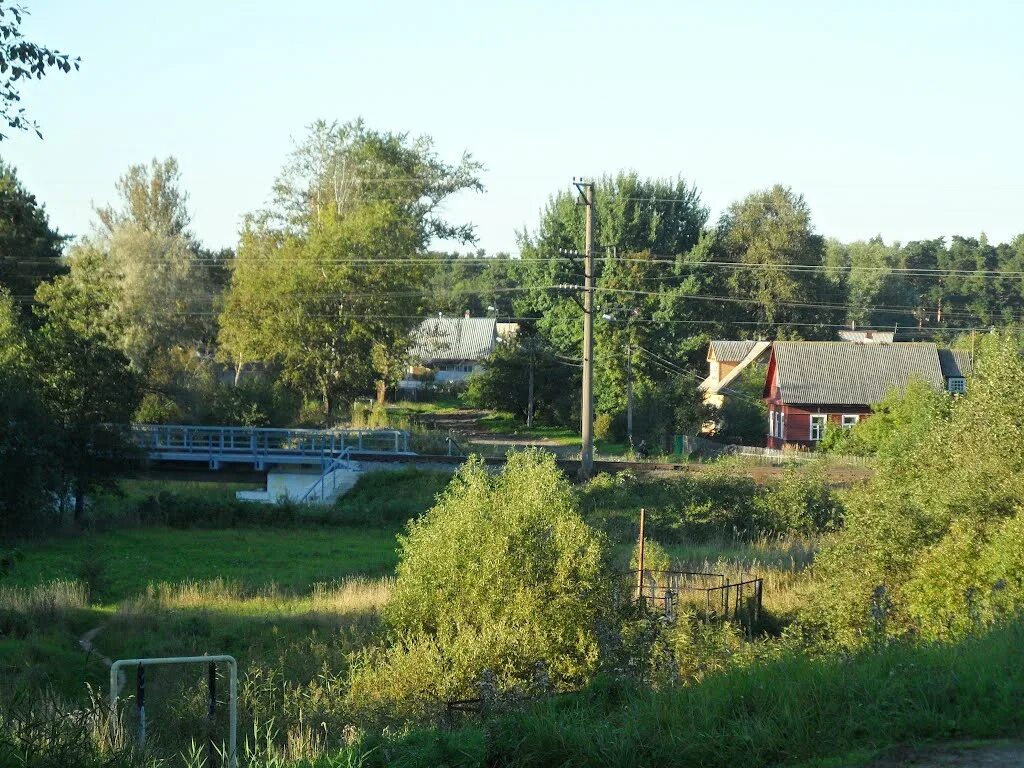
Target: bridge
[283,453]
[263,447]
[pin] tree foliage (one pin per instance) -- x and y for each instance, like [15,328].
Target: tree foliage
[328,284]
[502,574]
[21,60]
[30,250]
[927,546]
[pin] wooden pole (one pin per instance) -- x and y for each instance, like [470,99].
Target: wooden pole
[640,558]
[587,426]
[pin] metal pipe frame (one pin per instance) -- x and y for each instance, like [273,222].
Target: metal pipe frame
[141,665]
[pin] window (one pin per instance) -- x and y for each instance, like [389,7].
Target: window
[771,424]
[818,426]
[849,419]
[956,385]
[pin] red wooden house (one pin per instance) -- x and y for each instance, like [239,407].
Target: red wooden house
[812,386]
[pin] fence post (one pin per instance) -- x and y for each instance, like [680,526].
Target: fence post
[640,560]
[211,709]
[140,703]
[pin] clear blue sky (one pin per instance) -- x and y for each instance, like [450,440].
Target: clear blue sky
[902,118]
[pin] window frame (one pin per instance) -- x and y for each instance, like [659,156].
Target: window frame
[851,424]
[961,385]
[816,420]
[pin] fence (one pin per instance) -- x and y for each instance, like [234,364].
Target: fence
[712,595]
[696,444]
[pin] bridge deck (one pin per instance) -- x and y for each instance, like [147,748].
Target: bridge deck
[261,446]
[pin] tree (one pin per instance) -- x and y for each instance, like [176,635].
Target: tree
[87,385]
[930,543]
[765,235]
[151,198]
[28,439]
[30,250]
[502,574]
[329,282]
[20,60]
[144,253]
[505,381]
[650,280]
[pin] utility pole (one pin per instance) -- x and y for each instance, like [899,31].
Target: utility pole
[629,393]
[529,393]
[586,189]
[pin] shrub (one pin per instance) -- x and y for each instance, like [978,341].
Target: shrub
[927,545]
[656,558]
[501,574]
[604,424]
[799,502]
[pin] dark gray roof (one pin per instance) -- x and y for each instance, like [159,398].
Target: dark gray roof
[454,338]
[840,373]
[726,351]
[955,363]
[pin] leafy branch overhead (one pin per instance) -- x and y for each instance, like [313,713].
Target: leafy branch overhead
[21,60]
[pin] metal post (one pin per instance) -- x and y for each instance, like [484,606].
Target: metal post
[211,708]
[140,704]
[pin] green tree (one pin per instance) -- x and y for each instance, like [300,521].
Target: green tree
[329,282]
[502,574]
[765,235]
[504,383]
[28,440]
[30,250]
[87,385]
[909,557]
[651,289]
[145,255]
[21,59]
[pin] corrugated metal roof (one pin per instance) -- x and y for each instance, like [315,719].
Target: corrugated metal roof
[955,363]
[728,351]
[840,373]
[454,338]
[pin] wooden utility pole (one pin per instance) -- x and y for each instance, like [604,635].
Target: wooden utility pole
[529,394]
[586,189]
[629,394]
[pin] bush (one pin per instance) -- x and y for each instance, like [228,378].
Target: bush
[799,502]
[501,574]
[604,425]
[927,548]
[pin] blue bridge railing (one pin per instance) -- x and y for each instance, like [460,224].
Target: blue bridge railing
[261,446]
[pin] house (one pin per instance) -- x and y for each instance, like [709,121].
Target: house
[449,350]
[727,359]
[813,386]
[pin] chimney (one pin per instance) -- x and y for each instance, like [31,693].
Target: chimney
[467,314]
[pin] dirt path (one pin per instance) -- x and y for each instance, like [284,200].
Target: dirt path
[467,430]
[1001,755]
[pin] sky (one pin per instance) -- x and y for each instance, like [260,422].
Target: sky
[900,118]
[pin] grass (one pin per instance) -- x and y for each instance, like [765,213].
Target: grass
[391,497]
[792,710]
[122,563]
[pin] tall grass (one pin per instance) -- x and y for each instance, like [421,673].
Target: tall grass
[50,601]
[793,709]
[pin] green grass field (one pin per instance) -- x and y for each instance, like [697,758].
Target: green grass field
[123,563]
